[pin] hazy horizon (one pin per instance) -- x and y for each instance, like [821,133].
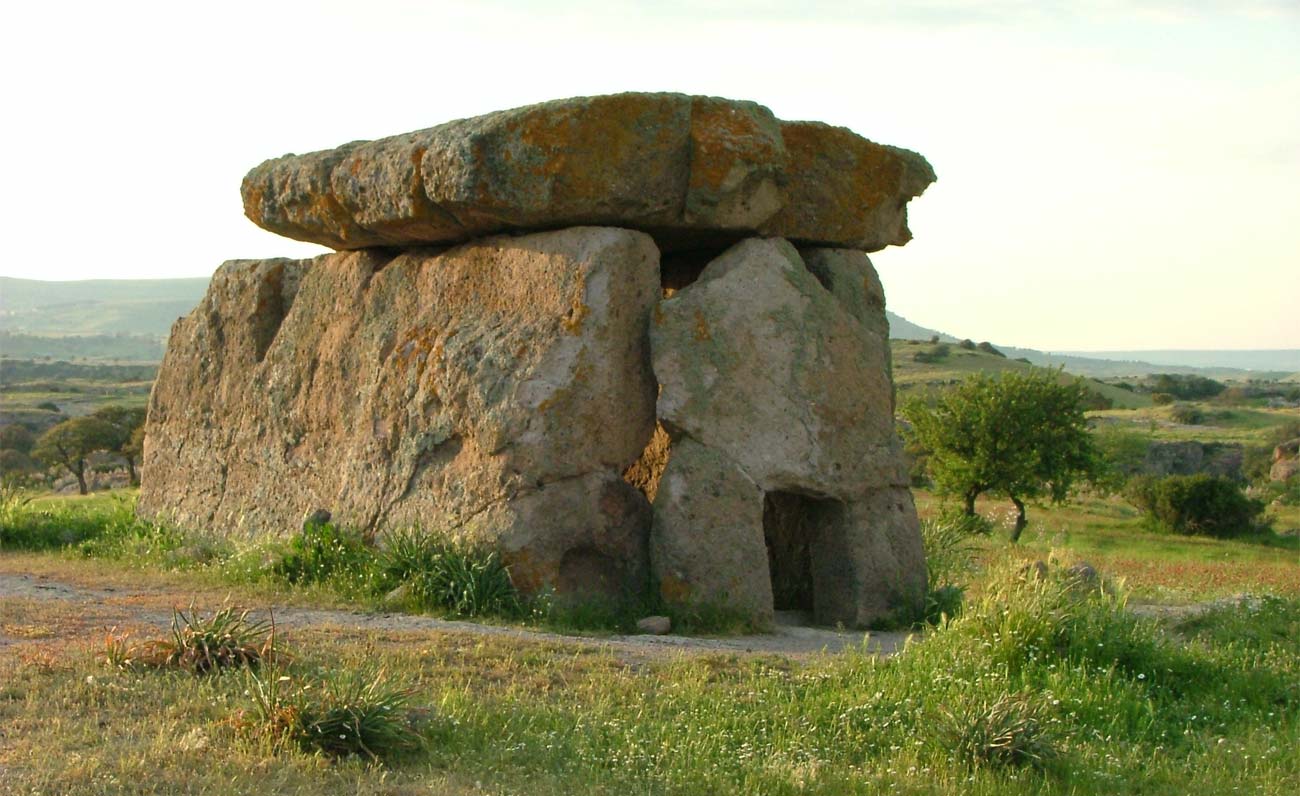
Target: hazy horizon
[1115,178]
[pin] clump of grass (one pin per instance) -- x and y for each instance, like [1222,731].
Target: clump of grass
[1009,731]
[351,713]
[323,552]
[125,537]
[445,575]
[199,644]
[947,560]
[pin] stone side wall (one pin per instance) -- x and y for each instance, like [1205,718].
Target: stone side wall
[497,391]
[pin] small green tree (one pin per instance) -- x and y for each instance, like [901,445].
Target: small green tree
[70,442]
[16,438]
[1021,435]
[16,468]
[126,421]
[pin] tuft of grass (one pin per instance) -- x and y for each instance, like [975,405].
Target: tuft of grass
[347,713]
[199,644]
[1010,731]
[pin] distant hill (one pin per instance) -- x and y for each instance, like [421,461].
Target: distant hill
[1118,368]
[96,306]
[913,372]
[901,328]
[1286,360]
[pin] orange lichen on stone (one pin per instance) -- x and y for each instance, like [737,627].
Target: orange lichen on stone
[646,471]
[674,589]
[573,318]
[701,327]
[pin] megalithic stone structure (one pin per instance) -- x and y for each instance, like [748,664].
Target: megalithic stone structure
[632,342]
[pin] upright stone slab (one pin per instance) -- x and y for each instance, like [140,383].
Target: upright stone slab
[778,381]
[495,391]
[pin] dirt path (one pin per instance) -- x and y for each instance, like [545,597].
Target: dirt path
[98,606]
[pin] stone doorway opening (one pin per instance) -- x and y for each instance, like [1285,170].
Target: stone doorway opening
[806,557]
[789,526]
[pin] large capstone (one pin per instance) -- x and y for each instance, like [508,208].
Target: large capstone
[691,171]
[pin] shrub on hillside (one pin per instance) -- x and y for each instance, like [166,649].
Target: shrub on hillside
[935,353]
[1161,398]
[988,348]
[1185,387]
[967,344]
[16,467]
[16,438]
[1187,415]
[1195,504]
[1256,462]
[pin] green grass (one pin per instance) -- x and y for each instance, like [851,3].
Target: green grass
[412,571]
[1095,701]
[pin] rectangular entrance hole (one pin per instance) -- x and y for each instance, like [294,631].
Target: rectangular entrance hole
[790,523]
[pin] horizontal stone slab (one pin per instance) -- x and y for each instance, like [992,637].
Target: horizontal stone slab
[691,171]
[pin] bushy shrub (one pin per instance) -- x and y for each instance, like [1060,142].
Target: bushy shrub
[1184,386]
[988,348]
[17,438]
[967,344]
[1256,462]
[1195,504]
[935,353]
[1187,415]
[1161,398]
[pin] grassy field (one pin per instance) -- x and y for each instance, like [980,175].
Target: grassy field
[1224,424]
[1111,535]
[1043,684]
[75,388]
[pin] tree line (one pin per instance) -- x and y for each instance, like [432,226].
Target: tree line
[118,430]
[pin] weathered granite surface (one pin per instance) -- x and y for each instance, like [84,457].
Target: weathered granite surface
[692,171]
[775,391]
[496,391]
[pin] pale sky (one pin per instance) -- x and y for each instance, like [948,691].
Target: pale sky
[1126,176]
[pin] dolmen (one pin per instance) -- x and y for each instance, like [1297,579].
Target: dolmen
[633,342]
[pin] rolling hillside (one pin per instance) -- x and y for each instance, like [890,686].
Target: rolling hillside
[911,373]
[96,306]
